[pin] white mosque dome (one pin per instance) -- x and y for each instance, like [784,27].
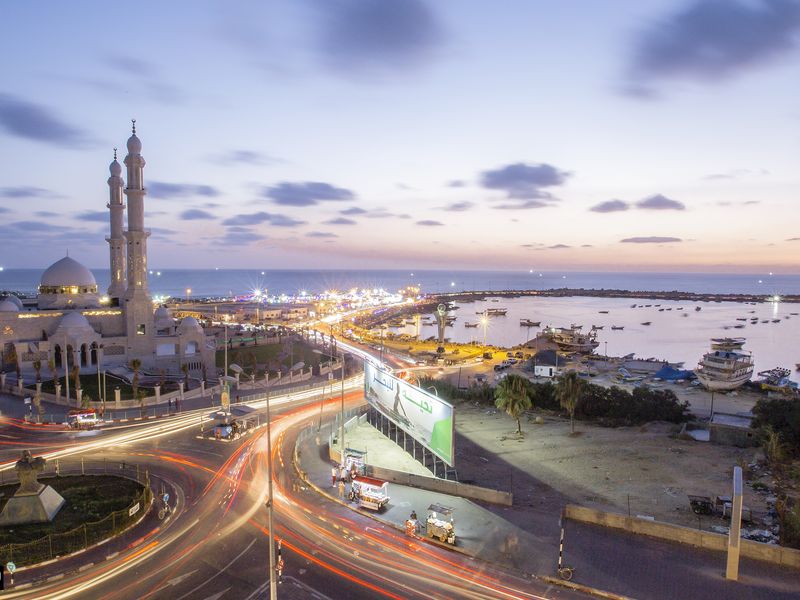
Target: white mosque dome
[115,168]
[163,318]
[68,272]
[16,301]
[74,321]
[7,305]
[134,145]
[189,324]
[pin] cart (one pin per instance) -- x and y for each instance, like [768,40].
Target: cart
[369,492]
[440,528]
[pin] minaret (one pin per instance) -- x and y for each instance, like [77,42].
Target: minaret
[138,304]
[116,240]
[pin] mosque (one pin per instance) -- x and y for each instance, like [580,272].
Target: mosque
[72,324]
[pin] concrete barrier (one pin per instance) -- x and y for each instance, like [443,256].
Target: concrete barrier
[779,555]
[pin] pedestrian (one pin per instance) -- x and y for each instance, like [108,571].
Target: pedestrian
[343,473]
[341,490]
[333,476]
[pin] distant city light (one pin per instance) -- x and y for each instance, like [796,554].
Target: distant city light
[158,273]
[770,273]
[776,298]
[452,284]
[759,281]
[2,268]
[531,271]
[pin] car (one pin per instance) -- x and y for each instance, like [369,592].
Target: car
[487,355]
[420,363]
[480,378]
[511,361]
[510,354]
[500,367]
[518,355]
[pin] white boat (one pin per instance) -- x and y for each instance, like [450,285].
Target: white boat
[572,339]
[726,367]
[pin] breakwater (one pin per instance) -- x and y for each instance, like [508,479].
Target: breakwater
[611,293]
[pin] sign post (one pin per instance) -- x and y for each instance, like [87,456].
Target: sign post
[734,535]
[11,568]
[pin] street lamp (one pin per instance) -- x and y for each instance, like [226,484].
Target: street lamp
[484,322]
[341,425]
[273,586]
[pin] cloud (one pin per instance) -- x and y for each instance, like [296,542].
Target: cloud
[244,157]
[430,223]
[533,245]
[794,239]
[306,193]
[650,240]
[340,221]
[169,191]
[353,210]
[33,122]
[376,37]
[659,202]
[456,183]
[586,246]
[610,206]
[195,214]
[98,216]
[241,237]
[382,213]
[458,206]
[3,209]
[712,40]
[131,65]
[524,182]
[558,246]
[321,234]
[26,191]
[523,205]
[262,217]
[45,214]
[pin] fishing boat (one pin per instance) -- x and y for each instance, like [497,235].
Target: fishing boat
[496,312]
[698,308]
[647,323]
[529,323]
[597,327]
[740,326]
[617,327]
[603,312]
[726,367]
[741,318]
[571,338]
[777,380]
[466,324]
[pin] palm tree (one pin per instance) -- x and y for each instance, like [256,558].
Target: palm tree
[511,395]
[568,391]
[37,366]
[51,364]
[136,364]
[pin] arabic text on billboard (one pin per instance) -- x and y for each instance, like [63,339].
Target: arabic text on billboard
[424,416]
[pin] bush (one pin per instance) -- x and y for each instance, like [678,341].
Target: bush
[783,416]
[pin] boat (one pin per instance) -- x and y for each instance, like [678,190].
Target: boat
[776,320]
[466,324]
[618,327]
[603,312]
[741,318]
[633,306]
[571,338]
[647,323]
[698,308]
[597,327]
[529,323]
[726,367]
[496,312]
[740,326]
[797,366]
[777,380]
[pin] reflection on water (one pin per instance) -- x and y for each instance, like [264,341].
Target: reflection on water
[671,335]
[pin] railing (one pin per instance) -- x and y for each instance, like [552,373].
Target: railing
[60,544]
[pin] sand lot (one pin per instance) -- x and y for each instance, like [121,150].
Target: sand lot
[605,468]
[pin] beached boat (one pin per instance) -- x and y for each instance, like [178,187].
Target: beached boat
[777,380]
[726,367]
[618,327]
[529,323]
[571,338]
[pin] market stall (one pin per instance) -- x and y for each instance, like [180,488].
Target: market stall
[369,492]
[439,524]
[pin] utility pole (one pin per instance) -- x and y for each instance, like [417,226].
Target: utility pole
[66,367]
[341,432]
[273,584]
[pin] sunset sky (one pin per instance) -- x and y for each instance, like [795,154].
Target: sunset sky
[517,134]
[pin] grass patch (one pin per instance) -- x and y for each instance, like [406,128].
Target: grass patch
[88,498]
[89,388]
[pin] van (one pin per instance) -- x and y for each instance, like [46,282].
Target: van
[85,419]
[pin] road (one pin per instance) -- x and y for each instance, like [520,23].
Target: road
[214,546]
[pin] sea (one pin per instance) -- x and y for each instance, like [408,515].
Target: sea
[677,331]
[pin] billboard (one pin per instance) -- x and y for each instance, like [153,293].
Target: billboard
[428,419]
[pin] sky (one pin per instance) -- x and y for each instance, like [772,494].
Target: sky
[608,135]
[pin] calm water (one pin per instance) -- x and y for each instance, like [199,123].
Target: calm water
[225,282]
[671,335]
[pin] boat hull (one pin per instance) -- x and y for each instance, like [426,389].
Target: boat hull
[721,385]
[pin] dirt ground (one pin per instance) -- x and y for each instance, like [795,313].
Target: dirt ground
[605,468]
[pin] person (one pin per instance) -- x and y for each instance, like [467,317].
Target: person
[343,473]
[333,476]
[341,490]
[413,515]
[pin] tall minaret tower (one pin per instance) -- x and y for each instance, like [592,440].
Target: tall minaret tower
[116,241]
[138,304]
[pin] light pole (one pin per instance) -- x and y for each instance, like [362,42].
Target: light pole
[273,585]
[341,424]
[484,322]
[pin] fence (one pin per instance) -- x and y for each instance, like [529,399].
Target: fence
[59,544]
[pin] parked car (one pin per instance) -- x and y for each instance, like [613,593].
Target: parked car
[510,354]
[519,354]
[500,367]
[480,378]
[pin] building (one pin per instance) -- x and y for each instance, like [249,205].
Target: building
[545,364]
[72,324]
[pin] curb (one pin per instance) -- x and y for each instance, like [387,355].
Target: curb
[582,588]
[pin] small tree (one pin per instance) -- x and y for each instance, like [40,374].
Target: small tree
[37,366]
[12,358]
[85,400]
[774,448]
[569,390]
[136,364]
[141,395]
[51,364]
[185,371]
[75,373]
[511,395]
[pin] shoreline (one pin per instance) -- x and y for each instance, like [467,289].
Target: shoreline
[614,293]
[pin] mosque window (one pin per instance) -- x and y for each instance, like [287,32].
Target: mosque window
[140,329]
